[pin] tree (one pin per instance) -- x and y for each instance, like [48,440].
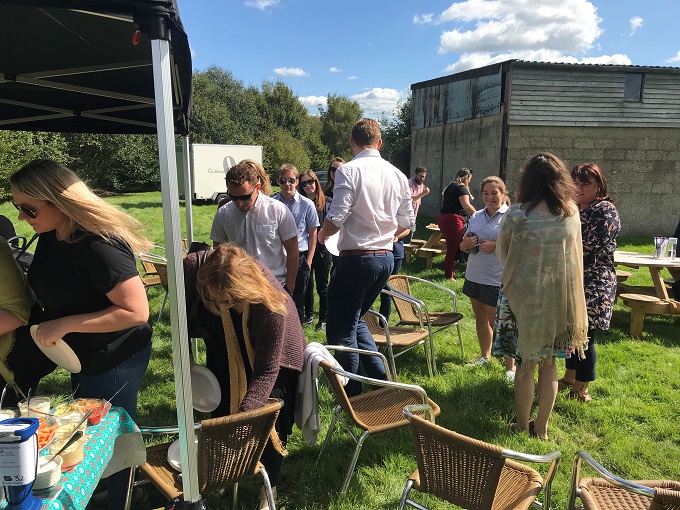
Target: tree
[20,147]
[281,148]
[281,108]
[337,120]
[319,155]
[396,135]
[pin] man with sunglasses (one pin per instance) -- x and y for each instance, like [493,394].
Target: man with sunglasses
[307,221]
[262,226]
[371,205]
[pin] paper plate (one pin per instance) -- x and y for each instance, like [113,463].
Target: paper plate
[174,457]
[60,353]
[331,244]
[205,389]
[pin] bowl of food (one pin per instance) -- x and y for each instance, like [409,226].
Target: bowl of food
[49,472]
[7,414]
[73,454]
[39,406]
[47,431]
[99,407]
[67,413]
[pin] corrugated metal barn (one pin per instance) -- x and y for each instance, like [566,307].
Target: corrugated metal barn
[624,118]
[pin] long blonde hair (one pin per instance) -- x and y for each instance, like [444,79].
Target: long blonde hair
[230,276]
[48,180]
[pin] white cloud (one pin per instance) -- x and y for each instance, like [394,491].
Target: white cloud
[474,60]
[568,26]
[635,23]
[676,58]
[423,19]
[261,4]
[353,77]
[335,70]
[312,102]
[377,101]
[290,71]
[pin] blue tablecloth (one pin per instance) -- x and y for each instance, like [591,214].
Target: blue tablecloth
[74,489]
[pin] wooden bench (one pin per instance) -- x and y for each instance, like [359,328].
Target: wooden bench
[430,253]
[411,249]
[621,276]
[641,304]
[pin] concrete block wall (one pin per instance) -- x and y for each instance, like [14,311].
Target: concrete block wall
[642,166]
[444,149]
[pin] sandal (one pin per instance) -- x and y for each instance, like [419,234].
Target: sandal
[581,397]
[563,384]
[533,433]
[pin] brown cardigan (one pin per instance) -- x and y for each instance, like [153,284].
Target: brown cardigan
[278,340]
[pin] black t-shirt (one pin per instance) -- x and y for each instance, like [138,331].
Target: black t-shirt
[452,194]
[74,278]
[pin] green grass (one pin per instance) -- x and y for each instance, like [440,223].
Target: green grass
[631,426]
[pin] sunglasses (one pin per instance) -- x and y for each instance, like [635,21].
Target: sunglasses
[241,198]
[26,210]
[289,180]
[304,184]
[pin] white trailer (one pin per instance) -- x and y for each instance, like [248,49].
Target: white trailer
[209,164]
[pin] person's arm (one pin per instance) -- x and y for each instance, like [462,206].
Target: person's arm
[488,246]
[129,308]
[425,191]
[9,321]
[469,242]
[329,228]
[312,245]
[465,203]
[400,234]
[292,260]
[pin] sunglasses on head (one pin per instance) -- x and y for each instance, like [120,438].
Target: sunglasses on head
[242,198]
[289,180]
[26,210]
[304,184]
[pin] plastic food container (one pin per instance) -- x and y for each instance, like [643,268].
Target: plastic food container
[6,414]
[99,406]
[67,413]
[40,406]
[47,431]
[49,472]
[73,454]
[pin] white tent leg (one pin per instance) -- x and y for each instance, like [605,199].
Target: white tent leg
[188,191]
[160,50]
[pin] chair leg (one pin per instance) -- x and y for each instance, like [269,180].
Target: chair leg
[268,488]
[432,368]
[234,503]
[352,464]
[328,434]
[404,496]
[160,313]
[460,339]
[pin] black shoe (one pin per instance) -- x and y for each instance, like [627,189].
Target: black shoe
[309,319]
[321,326]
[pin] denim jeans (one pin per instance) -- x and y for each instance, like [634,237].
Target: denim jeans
[105,385]
[301,282]
[386,301]
[321,266]
[355,284]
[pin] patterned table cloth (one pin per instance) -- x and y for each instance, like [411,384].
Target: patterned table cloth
[75,488]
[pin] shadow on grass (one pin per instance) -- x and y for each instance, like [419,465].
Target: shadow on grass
[655,326]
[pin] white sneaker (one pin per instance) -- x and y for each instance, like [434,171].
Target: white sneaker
[479,362]
[510,375]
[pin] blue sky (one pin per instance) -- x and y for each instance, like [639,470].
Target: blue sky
[373,50]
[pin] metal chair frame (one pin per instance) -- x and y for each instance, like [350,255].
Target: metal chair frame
[337,413]
[429,317]
[552,458]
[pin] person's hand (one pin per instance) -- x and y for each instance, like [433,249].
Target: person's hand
[49,332]
[321,237]
[395,240]
[468,242]
[487,246]
[426,190]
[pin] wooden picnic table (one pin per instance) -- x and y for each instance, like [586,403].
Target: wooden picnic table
[426,249]
[642,300]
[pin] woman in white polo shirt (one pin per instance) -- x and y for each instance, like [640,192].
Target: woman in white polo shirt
[483,273]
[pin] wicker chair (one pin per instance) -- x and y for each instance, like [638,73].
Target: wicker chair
[403,338]
[229,450]
[155,273]
[472,474]
[435,321]
[373,412]
[610,491]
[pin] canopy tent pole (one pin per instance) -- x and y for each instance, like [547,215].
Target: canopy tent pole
[160,49]
[188,191]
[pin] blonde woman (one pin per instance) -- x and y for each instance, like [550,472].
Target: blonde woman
[254,340]
[85,277]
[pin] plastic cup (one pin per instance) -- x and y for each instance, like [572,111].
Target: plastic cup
[40,406]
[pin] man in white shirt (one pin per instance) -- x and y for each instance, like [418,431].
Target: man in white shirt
[262,226]
[306,221]
[371,204]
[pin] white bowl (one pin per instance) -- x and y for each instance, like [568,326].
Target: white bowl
[49,472]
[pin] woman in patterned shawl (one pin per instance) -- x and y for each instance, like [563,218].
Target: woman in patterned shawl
[540,247]
[599,226]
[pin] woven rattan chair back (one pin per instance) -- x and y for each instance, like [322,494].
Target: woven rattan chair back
[229,448]
[162,270]
[405,310]
[373,325]
[456,468]
[338,389]
[666,497]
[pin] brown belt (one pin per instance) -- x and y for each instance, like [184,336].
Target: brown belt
[350,253]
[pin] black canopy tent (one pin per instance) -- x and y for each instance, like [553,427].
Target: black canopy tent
[109,66]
